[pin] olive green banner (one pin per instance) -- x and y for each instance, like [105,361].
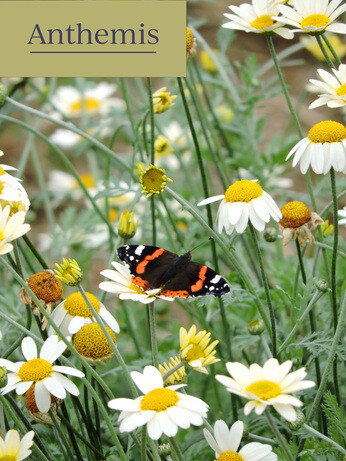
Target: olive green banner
[93,38]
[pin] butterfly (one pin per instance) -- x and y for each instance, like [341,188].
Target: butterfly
[177,276]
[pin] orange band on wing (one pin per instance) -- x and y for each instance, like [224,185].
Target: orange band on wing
[140,269]
[139,282]
[175,294]
[201,277]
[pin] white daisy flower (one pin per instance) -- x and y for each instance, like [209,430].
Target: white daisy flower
[243,201]
[14,449]
[126,286]
[94,101]
[67,139]
[162,409]
[270,385]
[226,442]
[313,17]
[342,214]
[322,149]
[12,192]
[60,182]
[258,17]
[333,88]
[11,228]
[73,313]
[48,378]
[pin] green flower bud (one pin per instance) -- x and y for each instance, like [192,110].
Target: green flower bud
[270,234]
[322,285]
[164,449]
[256,327]
[3,377]
[127,225]
[3,94]
[297,424]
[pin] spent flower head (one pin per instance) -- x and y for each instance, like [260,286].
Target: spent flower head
[243,201]
[153,180]
[295,222]
[195,349]
[324,148]
[270,385]
[69,272]
[162,100]
[162,409]
[35,413]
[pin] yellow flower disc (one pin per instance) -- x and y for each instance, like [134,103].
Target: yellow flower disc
[75,305]
[46,286]
[90,104]
[195,353]
[159,400]
[265,390]
[189,39]
[243,191]
[327,131]
[2,171]
[229,456]
[295,214]
[91,342]
[87,180]
[315,20]
[35,370]
[153,180]
[341,91]
[262,22]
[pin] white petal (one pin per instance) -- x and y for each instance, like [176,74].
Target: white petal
[66,383]
[211,200]
[54,387]
[42,397]
[68,370]
[22,387]
[286,411]
[29,348]
[109,319]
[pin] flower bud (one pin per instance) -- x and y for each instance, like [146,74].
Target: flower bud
[322,285]
[3,94]
[297,424]
[256,327]
[69,272]
[327,229]
[270,234]
[127,225]
[164,449]
[3,377]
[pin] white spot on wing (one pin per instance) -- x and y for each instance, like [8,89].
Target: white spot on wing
[216,279]
[132,258]
[139,249]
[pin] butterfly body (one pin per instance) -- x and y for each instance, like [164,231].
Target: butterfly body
[177,276]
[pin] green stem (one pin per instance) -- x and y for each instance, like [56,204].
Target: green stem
[323,437]
[152,124]
[144,444]
[324,51]
[35,252]
[61,434]
[175,447]
[153,338]
[329,45]
[266,288]
[172,370]
[279,437]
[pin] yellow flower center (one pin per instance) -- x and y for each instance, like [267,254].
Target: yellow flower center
[136,289]
[46,286]
[89,104]
[75,305]
[243,191]
[262,22]
[295,214]
[15,206]
[159,400]
[229,456]
[87,180]
[189,39]
[341,91]
[153,180]
[9,457]
[35,370]
[265,390]
[195,353]
[1,187]
[113,214]
[2,171]
[327,131]
[91,342]
[2,236]
[314,20]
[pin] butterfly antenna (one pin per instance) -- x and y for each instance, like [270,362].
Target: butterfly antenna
[200,244]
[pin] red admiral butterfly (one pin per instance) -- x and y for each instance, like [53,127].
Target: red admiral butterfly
[153,267]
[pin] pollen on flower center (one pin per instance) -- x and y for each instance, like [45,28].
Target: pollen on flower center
[262,22]
[341,91]
[265,390]
[295,214]
[229,456]
[243,191]
[195,353]
[153,180]
[2,171]
[315,20]
[91,342]
[75,305]
[159,400]
[89,104]
[327,131]
[87,180]
[189,39]
[35,370]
